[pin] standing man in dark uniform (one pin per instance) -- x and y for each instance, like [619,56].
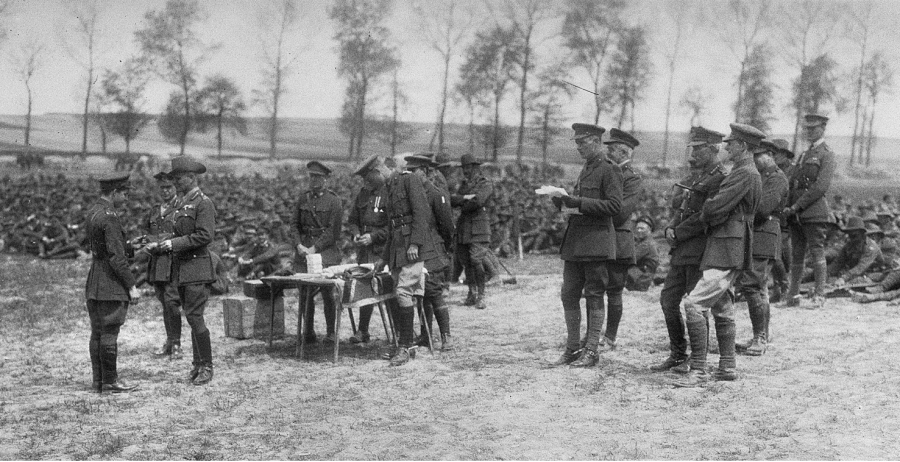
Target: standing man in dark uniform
[620,151]
[368,224]
[441,224]
[410,243]
[807,210]
[473,229]
[781,270]
[588,245]
[160,226]
[317,224]
[686,236]
[729,216]
[192,269]
[110,284]
[754,282]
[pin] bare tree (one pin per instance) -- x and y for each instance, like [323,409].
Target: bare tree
[806,29]
[170,44]
[83,47]
[879,77]
[675,19]
[746,22]
[694,101]
[220,105]
[589,31]
[26,61]
[859,29]
[629,71]
[525,16]
[444,26]
[546,103]
[277,20]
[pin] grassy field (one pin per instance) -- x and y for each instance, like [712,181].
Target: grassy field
[827,388]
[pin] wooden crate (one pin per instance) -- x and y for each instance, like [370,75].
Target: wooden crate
[247,317]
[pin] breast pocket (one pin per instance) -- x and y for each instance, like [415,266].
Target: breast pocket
[811,168]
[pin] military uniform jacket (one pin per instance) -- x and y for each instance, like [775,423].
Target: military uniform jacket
[631,194]
[317,221]
[766,225]
[368,217]
[195,226]
[810,180]
[690,231]
[591,235]
[441,224]
[160,226]
[474,224]
[409,216]
[646,255]
[729,215]
[856,258]
[109,277]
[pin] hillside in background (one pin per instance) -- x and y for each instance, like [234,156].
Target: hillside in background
[320,139]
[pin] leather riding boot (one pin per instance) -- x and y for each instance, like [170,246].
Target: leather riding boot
[613,318]
[365,317]
[405,319]
[756,308]
[725,331]
[204,347]
[470,299]
[595,313]
[698,333]
[573,327]
[111,381]
[195,363]
[96,363]
[793,298]
[675,327]
[820,270]
[442,316]
[479,297]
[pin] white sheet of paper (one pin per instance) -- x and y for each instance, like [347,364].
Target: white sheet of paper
[552,191]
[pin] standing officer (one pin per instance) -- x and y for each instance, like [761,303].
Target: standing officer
[317,223]
[754,282]
[441,225]
[368,224]
[110,284]
[729,216]
[473,229]
[588,245]
[160,226]
[807,210]
[686,236]
[192,269]
[620,151]
[410,243]
[782,268]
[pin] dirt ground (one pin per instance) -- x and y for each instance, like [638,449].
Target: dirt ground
[827,388]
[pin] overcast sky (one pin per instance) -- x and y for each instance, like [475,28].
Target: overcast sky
[316,91]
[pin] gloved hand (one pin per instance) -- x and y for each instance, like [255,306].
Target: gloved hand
[570,201]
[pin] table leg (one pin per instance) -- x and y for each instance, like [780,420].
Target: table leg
[424,322]
[338,311]
[301,339]
[271,313]
[384,322]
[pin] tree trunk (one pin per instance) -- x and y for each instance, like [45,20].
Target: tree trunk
[665,151]
[471,129]
[28,117]
[870,139]
[855,139]
[219,117]
[444,90]
[127,145]
[182,139]
[361,116]
[103,139]
[545,139]
[394,116]
[495,151]
[740,92]
[84,116]
[522,92]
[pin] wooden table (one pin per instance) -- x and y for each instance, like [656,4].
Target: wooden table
[305,285]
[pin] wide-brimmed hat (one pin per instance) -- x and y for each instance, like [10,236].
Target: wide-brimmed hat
[872,228]
[854,223]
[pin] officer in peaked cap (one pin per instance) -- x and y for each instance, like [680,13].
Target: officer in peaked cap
[110,284]
[192,269]
[620,151]
[588,245]
[807,209]
[728,215]
[687,239]
[473,228]
[160,225]
[316,226]
[368,226]
[781,267]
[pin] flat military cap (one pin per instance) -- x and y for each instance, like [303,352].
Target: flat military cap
[184,164]
[622,137]
[869,216]
[782,146]
[872,228]
[418,161]
[442,158]
[366,165]
[854,224]
[701,136]
[163,176]
[814,120]
[583,130]
[114,182]
[468,159]
[746,133]
[315,167]
[646,219]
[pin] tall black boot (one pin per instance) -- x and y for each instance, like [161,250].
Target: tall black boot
[405,318]
[96,366]
[758,309]
[595,312]
[196,362]
[204,348]
[698,332]
[613,318]
[725,331]
[572,314]
[442,315]
[111,381]
[479,296]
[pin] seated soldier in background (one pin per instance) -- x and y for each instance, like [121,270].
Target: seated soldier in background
[263,257]
[640,275]
[859,255]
